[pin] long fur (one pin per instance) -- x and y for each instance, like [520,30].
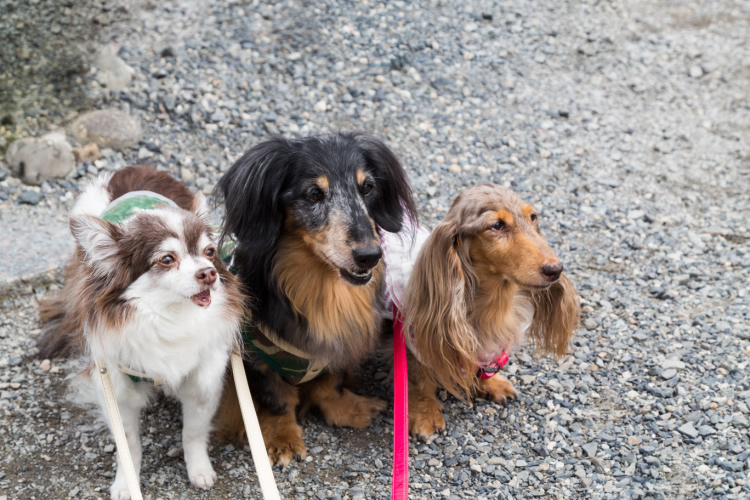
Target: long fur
[303,212]
[475,292]
[126,304]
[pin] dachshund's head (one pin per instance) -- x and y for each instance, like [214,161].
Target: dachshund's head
[468,277]
[331,191]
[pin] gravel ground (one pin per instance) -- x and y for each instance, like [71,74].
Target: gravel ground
[626,122]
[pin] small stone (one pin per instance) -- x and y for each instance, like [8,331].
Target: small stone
[109,448]
[3,174]
[673,364]
[739,420]
[109,128]
[527,379]
[634,441]
[186,174]
[455,168]
[544,154]
[706,430]
[89,152]
[320,106]
[688,430]
[590,449]
[695,71]
[45,365]
[315,450]
[590,324]
[173,452]
[29,197]
[667,374]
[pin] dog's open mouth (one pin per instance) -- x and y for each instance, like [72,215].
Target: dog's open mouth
[203,298]
[356,278]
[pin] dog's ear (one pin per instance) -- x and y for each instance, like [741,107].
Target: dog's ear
[200,206]
[395,200]
[557,313]
[251,191]
[436,310]
[97,239]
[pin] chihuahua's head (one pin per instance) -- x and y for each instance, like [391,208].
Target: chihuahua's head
[166,256]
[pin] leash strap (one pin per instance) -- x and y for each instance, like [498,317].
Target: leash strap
[400,412]
[252,427]
[126,461]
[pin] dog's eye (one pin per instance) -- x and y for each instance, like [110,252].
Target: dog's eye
[498,225]
[167,260]
[316,194]
[533,217]
[367,187]
[210,252]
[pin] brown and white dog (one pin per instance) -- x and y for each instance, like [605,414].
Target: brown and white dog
[483,280]
[146,293]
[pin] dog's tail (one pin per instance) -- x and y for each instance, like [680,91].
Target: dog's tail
[60,334]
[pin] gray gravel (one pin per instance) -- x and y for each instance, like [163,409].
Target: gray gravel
[626,122]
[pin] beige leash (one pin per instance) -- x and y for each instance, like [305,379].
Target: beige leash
[252,428]
[126,461]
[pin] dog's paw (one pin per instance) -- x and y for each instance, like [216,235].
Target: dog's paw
[281,451]
[202,477]
[119,490]
[352,410]
[497,389]
[426,418]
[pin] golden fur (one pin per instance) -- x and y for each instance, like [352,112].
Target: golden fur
[478,283]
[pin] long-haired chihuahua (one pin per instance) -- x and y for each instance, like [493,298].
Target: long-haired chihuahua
[484,279]
[306,215]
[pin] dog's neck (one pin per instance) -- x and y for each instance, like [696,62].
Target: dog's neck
[497,312]
[342,320]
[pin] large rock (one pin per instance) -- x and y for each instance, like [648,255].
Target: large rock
[114,73]
[37,160]
[109,128]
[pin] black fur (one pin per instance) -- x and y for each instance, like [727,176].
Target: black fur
[275,180]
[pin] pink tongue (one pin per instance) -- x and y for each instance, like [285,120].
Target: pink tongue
[203,299]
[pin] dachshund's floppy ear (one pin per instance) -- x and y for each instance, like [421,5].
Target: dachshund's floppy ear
[437,311]
[395,199]
[251,192]
[557,312]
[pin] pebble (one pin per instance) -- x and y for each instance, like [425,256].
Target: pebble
[30,197]
[45,365]
[688,430]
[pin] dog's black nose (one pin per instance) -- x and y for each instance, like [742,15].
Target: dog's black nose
[367,258]
[207,275]
[552,272]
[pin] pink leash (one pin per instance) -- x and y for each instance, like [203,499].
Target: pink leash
[400,412]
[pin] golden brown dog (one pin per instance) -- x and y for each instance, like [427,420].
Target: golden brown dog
[483,280]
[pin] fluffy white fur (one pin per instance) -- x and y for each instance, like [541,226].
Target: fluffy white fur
[167,337]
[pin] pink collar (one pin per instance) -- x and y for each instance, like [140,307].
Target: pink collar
[488,371]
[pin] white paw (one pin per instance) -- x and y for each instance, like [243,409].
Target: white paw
[119,491]
[202,477]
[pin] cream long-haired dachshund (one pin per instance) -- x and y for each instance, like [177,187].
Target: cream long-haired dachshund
[483,280]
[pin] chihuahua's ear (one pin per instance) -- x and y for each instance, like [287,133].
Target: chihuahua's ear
[436,310]
[252,194]
[557,313]
[200,206]
[395,201]
[97,239]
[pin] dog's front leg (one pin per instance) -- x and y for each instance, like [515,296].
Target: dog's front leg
[198,409]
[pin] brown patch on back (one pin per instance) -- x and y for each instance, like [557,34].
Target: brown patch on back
[144,178]
[342,319]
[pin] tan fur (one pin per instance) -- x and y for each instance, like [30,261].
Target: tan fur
[339,405]
[473,287]
[333,308]
[361,176]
